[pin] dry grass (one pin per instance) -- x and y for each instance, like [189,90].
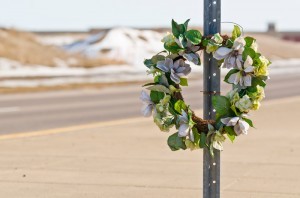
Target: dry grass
[24,47]
[276,48]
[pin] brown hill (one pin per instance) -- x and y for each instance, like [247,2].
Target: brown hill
[24,47]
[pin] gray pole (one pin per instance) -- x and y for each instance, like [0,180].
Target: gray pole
[211,86]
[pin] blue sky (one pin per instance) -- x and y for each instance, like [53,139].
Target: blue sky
[85,14]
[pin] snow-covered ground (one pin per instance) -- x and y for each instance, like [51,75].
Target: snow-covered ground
[128,45]
[125,44]
[14,74]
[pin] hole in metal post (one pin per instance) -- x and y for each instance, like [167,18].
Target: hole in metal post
[208,77]
[214,2]
[214,111]
[214,20]
[214,162]
[214,181]
[214,74]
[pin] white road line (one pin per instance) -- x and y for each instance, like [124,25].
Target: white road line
[9,109]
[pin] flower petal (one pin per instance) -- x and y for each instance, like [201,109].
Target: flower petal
[230,121]
[244,126]
[248,62]
[249,69]
[183,130]
[218,145]
[234,78]
[145,97]
[191,136]
[237,129]
[247,80]
[174,77]
[161,65]
[222,53]
[147,110]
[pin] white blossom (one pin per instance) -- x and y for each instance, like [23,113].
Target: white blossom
[232,56]
[244,104]
[177,69]
[148,105]
[240,126]
[184,128]
[243,77]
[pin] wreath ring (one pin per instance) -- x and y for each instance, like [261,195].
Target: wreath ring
[248,72]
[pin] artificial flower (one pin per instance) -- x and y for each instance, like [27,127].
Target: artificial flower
[244,104]
[232,56]
[192,57]
[184,128]
[243,77]
[148,105]
[262,68]
[240,126]
[177,69]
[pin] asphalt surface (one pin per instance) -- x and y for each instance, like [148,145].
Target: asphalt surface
[47,110]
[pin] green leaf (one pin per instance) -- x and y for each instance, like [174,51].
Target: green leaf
[248,121]
[249,40]
[162,79]
[230,133]
[258,81]
[232,107]
[157,58]
[248,52]
[175,143]
[232,71]
[179,106]
[175,30]
[159,88]
[236,32]
[148,84]
[186,24]
[202,140]
[229,43]
[148,63]
[196,135]
[194,36]
[172,47]
[222,106]
[183,82]
[156,96]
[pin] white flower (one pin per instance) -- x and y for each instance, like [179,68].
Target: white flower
[148,104]
[244,104]
[177,69]
[240,126]
[216,138]
[243,77]
[184,129]
[232,57]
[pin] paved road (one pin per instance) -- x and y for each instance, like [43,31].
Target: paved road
[47,110]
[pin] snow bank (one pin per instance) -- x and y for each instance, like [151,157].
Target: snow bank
[125,44]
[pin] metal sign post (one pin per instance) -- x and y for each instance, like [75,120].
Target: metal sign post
[211,86]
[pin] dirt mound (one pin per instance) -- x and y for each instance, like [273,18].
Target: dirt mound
[26,49]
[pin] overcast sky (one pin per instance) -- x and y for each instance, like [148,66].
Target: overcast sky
[84,14]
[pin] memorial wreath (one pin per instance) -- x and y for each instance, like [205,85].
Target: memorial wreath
[248,72]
